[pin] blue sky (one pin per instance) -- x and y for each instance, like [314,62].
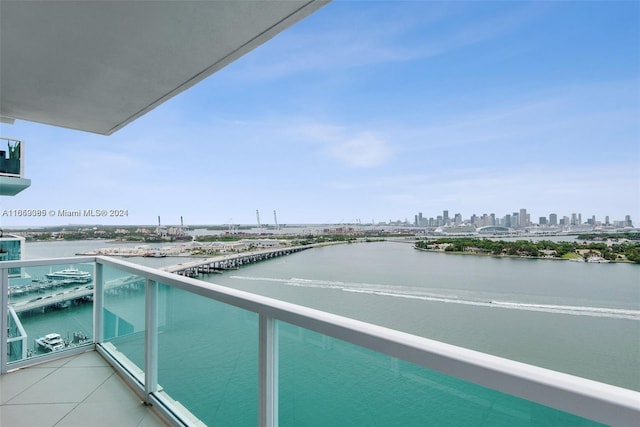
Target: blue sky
[376,111]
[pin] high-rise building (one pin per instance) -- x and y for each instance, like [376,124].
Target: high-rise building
[515,220]
[574,219]
[507,220]
[458,219]
[523,218]
[542,220]
[445,217]
[579,219]
[606,220]
[553,219]
[627,221]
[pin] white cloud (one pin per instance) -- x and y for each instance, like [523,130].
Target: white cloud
[352,146]
[363,150]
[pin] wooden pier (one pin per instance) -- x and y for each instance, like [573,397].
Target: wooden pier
[230,262]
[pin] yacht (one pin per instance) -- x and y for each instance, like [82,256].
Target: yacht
[51,342]
[72,274]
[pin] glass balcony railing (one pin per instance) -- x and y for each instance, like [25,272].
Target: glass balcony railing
[12,180]
[209,355]
[11,159]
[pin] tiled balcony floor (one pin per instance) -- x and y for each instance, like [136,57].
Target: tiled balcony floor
[81,390]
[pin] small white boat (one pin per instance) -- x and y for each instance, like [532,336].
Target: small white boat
[51,342]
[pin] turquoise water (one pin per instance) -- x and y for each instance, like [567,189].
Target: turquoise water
[578,318]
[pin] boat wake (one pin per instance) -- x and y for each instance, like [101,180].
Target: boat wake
[421,294]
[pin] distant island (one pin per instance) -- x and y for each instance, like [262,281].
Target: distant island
[619,250]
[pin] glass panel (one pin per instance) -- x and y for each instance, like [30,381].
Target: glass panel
[324,381]
[11,250]
[124,318]
[208,357]
[50,309]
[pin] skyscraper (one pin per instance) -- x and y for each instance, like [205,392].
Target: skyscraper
[553,219]
[523,218]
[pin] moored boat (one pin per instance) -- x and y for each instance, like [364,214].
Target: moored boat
[72,275]
[51,342]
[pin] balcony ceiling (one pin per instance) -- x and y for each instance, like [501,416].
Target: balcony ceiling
[98,65]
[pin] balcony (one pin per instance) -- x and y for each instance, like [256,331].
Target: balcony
[12,180]
[201,354]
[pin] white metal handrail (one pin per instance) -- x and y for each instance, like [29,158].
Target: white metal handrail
[583,397]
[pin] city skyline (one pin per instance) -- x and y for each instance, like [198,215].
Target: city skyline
[419,219]
[374,109]
[513,219]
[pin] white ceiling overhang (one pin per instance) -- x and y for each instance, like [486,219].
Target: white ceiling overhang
[98,65]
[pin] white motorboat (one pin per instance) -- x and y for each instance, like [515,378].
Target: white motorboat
[51,342]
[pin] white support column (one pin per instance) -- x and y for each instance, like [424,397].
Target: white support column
[98,303]
[4,311]
[151,340]
[267,372]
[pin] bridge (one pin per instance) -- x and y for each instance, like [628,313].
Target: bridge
[231,261]
[59,299]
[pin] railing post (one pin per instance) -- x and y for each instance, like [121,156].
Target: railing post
[4,311]
[267,372]
[98,303]
[151,340]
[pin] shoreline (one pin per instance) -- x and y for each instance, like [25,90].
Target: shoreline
[577,259]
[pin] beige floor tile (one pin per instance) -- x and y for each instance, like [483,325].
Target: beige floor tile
[41,415]
[15,383]
[77,391]
[114,390]
[104,414]
[151,420]
[65,385]
[84,360]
